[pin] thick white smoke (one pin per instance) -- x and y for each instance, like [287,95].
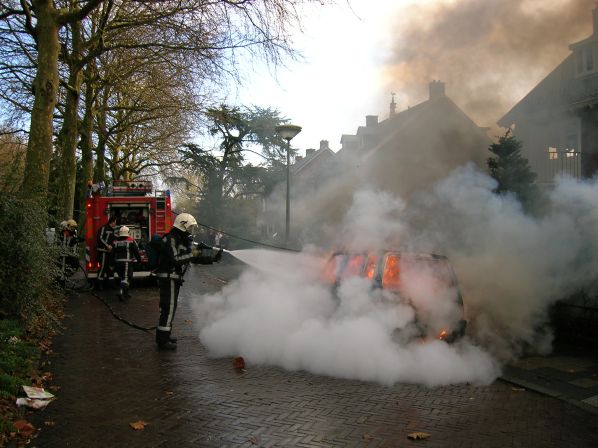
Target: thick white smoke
[511,268]
[286,317]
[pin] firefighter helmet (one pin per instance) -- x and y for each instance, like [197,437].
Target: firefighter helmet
[124,231]
[71,224]
[185,222]
[62,225]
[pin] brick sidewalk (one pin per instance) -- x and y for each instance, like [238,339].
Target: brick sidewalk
[569,374]
[111,375]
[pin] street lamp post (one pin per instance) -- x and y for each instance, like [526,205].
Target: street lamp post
[288,132]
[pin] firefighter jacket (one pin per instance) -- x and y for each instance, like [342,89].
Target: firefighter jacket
[175,254]
[105,238]
[68,240]
[125,250]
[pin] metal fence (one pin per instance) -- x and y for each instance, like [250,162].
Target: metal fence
[558,163]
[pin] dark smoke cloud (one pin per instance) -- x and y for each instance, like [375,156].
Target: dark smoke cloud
[489,52]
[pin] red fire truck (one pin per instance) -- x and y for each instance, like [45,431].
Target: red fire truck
[137,205]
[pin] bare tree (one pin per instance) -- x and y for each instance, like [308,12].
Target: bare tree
[210,34]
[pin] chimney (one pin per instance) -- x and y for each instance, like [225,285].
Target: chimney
[393,105]
[309,152]
[324,144]
[298,158]
[371,121]
[436,89]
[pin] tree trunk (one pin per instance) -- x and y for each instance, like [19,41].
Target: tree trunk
[100,169]
[86,144]
[70,129]
[45,85]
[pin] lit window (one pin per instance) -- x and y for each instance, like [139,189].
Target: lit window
[552,154]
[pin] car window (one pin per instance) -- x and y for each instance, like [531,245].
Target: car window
[354,266]
[391,273]
[370,267]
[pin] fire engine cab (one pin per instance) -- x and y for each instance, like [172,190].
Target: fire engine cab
[137,205]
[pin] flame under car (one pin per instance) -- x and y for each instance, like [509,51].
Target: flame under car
[426,282]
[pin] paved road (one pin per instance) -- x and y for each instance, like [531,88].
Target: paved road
[111,375]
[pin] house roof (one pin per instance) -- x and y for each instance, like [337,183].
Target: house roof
[310,159]
[433,115]
[560,90]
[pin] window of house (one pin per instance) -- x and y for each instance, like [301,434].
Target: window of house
[552,153]
[571,136]
[579,60]
[589,57]
[585,59]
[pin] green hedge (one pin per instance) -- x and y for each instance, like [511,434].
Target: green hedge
[27,262]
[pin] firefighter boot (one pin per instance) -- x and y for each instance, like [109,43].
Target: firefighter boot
[164,341]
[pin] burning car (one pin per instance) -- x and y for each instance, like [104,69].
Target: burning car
[426,282]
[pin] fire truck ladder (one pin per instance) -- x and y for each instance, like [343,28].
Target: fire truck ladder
[160,211]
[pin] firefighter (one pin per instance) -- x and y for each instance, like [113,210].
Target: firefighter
[105,241]
[126,253]
[175,255]
[68,242]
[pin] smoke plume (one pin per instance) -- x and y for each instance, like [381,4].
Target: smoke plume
[511,268]
[490,53]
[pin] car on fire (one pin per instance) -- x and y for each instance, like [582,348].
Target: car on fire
[426,282]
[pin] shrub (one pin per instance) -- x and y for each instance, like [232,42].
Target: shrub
[27,261]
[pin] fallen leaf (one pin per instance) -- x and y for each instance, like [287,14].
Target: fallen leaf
[24,427]
[49,423]
[239,363]
[368,437]
[254,440]
[140,424]
[418,435]
[169,392]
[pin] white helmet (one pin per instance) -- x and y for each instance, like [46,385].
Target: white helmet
[185,222]
[124,231]
[62,225]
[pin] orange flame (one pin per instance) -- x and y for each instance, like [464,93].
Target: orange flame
[390,277]
[370,267]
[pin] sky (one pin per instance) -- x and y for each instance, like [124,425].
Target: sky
[329,92]
[490,54]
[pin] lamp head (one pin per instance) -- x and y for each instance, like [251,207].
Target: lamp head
[288,131]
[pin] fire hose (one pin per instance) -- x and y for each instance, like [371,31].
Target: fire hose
[260,243]
[71,286]
[89,288]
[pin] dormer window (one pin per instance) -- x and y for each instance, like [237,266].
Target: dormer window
[589,57]
[585,59]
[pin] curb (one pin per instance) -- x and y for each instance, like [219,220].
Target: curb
[548,392]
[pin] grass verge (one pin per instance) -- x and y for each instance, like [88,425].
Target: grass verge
[22,344]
